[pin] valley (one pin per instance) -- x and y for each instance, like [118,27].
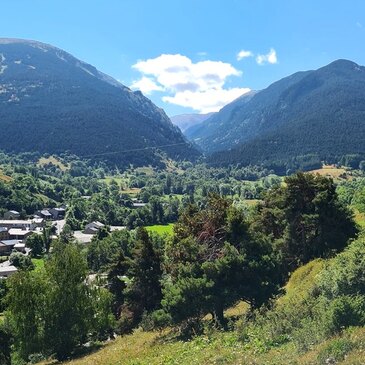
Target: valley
[230,236]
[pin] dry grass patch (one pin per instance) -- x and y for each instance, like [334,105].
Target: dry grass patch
[53,161]
[333,171]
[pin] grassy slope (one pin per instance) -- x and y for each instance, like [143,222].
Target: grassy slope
[153,348]
[53,161]
[148,348]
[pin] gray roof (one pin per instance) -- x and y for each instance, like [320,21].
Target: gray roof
[10,242]
[45,212]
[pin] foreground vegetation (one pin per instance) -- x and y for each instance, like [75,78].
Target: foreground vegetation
[234,266]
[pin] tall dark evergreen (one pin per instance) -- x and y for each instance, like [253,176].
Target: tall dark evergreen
[143,294]
[305,219]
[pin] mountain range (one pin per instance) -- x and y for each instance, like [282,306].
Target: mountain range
[298,121]
[51,102]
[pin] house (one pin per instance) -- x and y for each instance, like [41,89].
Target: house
[44,213]
[93,227]
[57,213]
[4,249]
[37,222]
[11,214]
[4,234]
[6,271]
[138,205]
[16,223]
[7,246]
[19,233]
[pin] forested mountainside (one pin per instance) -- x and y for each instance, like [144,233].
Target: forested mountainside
[308,116]
[51,102]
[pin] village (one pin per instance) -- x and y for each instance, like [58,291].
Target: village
[15,231]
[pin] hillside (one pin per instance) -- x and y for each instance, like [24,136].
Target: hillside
[319,113]
[215,347]
[53,103]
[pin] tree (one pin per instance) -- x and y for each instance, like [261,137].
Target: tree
[26,312]
[143,291]
[304,219]
[53,310]
[21,261]
[69,304]
[212,262]
[5,348]
[36,243]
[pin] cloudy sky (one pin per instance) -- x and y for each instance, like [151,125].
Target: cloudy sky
[194,55]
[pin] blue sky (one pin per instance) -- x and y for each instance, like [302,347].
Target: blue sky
[184,53]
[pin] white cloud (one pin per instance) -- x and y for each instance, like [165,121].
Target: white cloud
[197,85]
[146,85]
[243,54]
[206,101]
[270,57]
[359,25]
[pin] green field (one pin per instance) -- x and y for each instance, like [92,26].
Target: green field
[38,263]
[161,229]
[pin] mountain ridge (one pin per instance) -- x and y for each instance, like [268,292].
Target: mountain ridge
[51,102]
[319,114]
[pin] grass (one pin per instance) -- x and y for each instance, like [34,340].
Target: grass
[252,202]
[53,161]
[161,229]
[152,348]
[226,348]
[359,218]
[131,191]
[38,263]
[118,179]
[302,280]
[5,178]
[147,170]
[332,171]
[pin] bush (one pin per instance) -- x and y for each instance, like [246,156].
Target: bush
[346,311]
[336,350]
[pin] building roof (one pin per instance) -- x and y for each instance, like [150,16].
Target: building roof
[95,224]
[139,205]
[14,212]
[7,269]
[19,232]
[59,209]
[45,212]
[19,245]
[15,222]
[9,242]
